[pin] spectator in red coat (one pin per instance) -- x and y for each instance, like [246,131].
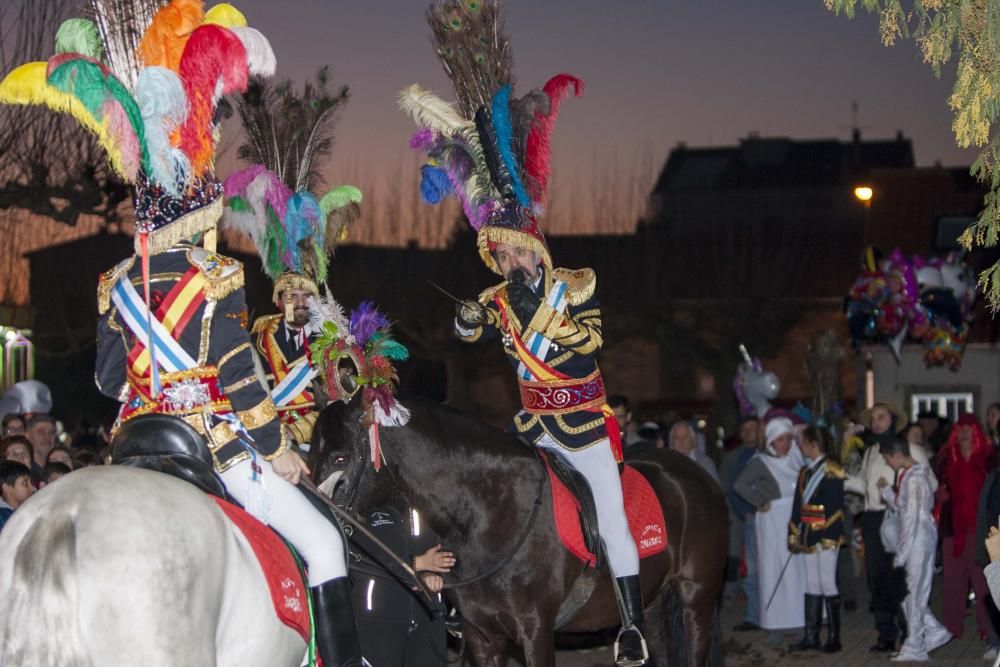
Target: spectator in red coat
[964,461]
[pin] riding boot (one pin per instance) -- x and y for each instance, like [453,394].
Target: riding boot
[814,616]
[833,624]
[630,646]
[336,635]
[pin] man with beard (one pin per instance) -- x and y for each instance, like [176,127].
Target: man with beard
[282,344]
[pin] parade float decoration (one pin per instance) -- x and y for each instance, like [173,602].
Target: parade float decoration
[930,302]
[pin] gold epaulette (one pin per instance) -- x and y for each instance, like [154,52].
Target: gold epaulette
[580,284]
[224,274]
[835,470]
[263,323]
[487,294]
[107,282]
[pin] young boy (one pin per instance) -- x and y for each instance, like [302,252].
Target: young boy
[915,536]
[15,488]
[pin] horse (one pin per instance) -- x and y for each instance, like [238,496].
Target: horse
[116,565]
[485,492]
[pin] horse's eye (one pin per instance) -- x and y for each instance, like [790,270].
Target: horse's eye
[340,460]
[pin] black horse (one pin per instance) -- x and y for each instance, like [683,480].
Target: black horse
[477,487]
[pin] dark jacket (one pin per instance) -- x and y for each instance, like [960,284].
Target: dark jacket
[576,339]
[215,336]
[821,520]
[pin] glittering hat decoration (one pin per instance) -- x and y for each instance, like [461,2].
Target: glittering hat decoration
[146,80]
[492,150]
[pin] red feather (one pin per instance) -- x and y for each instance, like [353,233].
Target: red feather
[212,54]
[538,153]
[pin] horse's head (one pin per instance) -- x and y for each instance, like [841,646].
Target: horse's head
[340,457]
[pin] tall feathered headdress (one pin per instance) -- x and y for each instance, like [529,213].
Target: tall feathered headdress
[492,151]
[146,81]
[294,230]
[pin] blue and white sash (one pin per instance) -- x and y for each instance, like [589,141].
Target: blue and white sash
[817,476]
[294,383]
[536,343]
[164,350]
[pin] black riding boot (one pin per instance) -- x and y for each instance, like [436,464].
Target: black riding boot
[630,646]
[814,616]
[336,635]
[833,620]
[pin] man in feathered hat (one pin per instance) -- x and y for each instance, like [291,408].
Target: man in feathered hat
[494,157]
[171,337]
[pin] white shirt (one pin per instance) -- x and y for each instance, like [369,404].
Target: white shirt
[874,467]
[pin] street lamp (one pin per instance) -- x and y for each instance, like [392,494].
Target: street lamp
[864,193]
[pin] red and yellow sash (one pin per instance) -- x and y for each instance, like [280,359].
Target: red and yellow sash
[574,394]
[175,312]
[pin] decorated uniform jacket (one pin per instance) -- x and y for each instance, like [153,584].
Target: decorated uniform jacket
[818,508]
[289,373]
[206,367]
[555,357]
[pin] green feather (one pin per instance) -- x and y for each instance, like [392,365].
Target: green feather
[239,205]
[80,36]
[322,264]
[339,198]
[381,343]
[273,245]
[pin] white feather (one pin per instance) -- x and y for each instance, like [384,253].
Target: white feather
[326,309]
[260,55]
[428,110]
[398,415]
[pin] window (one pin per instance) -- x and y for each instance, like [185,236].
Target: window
[948,404]
[947,230]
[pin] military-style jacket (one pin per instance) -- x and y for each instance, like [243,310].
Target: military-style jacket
[570,410]
[820,521]
[281,356]
[198,296]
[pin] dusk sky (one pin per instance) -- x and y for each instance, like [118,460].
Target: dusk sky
[704,72]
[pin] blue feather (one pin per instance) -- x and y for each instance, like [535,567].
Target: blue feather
[302,221]
[500,113]
[434,184]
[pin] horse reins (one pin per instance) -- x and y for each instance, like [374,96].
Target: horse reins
[520,541]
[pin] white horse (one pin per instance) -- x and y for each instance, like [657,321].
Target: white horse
[116,565]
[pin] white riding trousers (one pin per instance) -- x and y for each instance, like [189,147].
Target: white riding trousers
[598,466]
[821,572]
[290,513]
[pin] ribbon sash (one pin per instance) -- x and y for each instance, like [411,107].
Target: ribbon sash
[169,354]
[817,476]
[293,384]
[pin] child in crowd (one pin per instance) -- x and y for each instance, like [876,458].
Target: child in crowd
[910,532]
[15,488]
[52,471]
[817,532]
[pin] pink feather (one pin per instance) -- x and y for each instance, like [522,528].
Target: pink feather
[538,153]
[236,183]
[119,126]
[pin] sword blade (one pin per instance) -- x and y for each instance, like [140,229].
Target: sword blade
[446,293]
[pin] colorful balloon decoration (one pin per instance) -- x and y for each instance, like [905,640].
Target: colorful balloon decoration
[927,301]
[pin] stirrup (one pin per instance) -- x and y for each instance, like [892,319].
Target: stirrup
[631,662]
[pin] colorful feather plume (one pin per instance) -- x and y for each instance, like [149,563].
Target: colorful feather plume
[428,110]
[80,36]
[226,15]
[538,152]
[260,55]
[365,321]
[163,105]
[500,113]
[214,61]
[165,39]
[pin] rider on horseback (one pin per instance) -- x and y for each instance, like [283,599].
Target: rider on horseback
[171,337]
[494,156]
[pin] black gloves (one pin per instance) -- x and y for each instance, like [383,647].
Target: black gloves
[523,301]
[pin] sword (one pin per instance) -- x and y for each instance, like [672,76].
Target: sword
[778,585]
[448,294]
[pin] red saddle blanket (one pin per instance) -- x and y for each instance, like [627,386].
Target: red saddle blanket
[288,590]
[645,516]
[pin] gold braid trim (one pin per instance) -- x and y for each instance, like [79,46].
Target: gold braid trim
[107,282]
[183,228]
[291,280]
[580,284]
[232,353]
[219,288]
[282,448]
[492,234]
[259,415]
[240,384]
[577,430]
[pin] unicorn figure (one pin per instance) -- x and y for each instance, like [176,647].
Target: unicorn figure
[755,388]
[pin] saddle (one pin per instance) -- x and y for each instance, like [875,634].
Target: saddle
[169,445]
[578,487]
